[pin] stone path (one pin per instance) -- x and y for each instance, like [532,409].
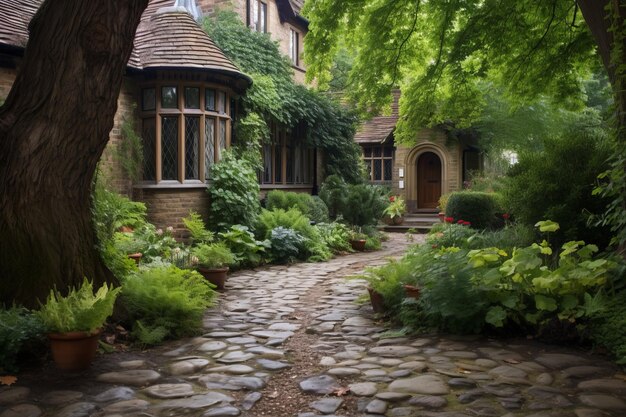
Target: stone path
[285,341]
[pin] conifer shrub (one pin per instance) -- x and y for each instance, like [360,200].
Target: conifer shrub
[311,206]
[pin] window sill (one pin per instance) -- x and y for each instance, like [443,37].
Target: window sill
[171,185]
[284,186]
[298,68]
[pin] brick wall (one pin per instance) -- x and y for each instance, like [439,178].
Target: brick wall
[167,206]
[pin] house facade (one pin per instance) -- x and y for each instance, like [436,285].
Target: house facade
[438,163]
[180,92]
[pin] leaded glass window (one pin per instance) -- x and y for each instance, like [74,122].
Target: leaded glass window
[209,145]
[379,162]
[192,146]
[169,98]
[148,135]
[169,148]
[192,98]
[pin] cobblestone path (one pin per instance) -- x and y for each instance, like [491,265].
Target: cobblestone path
[291,341]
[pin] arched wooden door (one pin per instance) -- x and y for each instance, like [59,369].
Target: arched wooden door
[428,180]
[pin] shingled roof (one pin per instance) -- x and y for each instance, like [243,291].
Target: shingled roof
[167,38]
[289,11]
[379,128]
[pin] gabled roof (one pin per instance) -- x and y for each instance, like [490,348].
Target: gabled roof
[380,128]
[167,38]
[289,11]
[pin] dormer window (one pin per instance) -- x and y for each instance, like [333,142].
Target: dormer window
[257,15]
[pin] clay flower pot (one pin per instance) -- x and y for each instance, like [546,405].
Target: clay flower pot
[378,303]
[398,220]
[411,291]
[358,244]
[74,351]
[216,276]
[135,257]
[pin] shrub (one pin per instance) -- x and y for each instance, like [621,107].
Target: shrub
[111,211]
[333,192]
[475,207]
[287,244]
[357,204]
[197,229]
[268,220]
[336,236]
[445,235]
[557,184]
[20,330]
[310,206]
[215,255]
[165,302]
[247,250]
[234,192]
[516,235]
[608,327]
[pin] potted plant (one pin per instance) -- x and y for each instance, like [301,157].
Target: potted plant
[74,322]
[443,202]
[394,213]
[358,240]
[129,244]
[213,261]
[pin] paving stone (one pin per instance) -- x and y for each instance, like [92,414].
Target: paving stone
[357,321]
[14,395]
[461,354]
[604,385]
[462,383]
[127,406]
[508,372]
[414,366]
[266,352]
[423,384]
[544,379]
[560,360]
[363,389]
[233,369]
[231,383]
[186,367]
[327,361]
[219,334]
[236,356]
[606,402]
[587,412]
[320,385]
[22,410]
[344,371]
[400,373]
[212,346]
[137,377]
[290,327]
[428,401]
[222,412]
[327,405]
[376,406]
[272,365]
[272,334]
[61,397]
[250,400]
[390,362]
[115,394]
[242,340]
[586,371]
[195,402]
[394,351]
[471,395]
[166,391]
[134,364]
[393,397]
[81,409]
[333,317]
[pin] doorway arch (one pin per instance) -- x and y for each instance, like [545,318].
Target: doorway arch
[440,159]
[429,180]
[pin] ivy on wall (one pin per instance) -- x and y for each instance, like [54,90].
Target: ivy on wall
[275,97]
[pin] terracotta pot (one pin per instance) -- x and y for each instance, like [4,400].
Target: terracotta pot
[378,303]
[135,257]
[358,244]
[216,276]
[411,291]
[73,351]
[441,215]
[398,220]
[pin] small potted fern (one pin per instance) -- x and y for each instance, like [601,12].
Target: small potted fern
[74,323]
[213,261]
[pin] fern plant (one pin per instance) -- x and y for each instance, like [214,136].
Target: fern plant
[80,311]
[197,228]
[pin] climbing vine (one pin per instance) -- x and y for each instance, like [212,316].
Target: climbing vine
[275,97]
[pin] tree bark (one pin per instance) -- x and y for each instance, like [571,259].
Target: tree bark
[54,126]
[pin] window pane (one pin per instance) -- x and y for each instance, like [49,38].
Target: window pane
[169,148]
[192,98]
[222,137]
[255,14]
[367,151]
[209,99]
[289,163]
[368,165]
[209,146]
[388,151]
[278,167]
[267,164]
[376,151]
[169,98]
[387,171]
[222,101]
[378,170]
[263,17]
[148,134]
[148,101]
[192,144]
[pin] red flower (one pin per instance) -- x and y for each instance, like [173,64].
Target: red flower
[448,219]
[467,223]
[506,216]
[461,222]
[392,198]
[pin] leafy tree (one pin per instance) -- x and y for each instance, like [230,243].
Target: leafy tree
[54,126]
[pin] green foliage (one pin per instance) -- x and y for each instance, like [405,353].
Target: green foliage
[276,98]
[165,303]
[358,204]
[396,207]
[312,207]
[446,235]
[130,150]
[81,310]
[215,255]
[507,238]
[441,54]
[19,331]
[336,236]
[315,248]
[234,192]
[195,225]
[475,207]
[111,211]
[608,327]
[287,244]
[542,186]
[117,262]
[247,250]
[372,243]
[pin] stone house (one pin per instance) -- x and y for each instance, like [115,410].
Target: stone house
[181,93]
[438,163]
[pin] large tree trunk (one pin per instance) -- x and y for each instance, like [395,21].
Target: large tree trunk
[54,127]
